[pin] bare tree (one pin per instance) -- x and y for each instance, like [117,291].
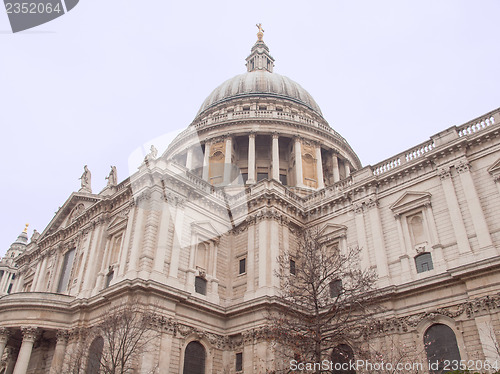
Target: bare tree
[326,300]
[116,344]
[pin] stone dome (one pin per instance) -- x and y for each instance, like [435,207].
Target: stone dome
[260,83]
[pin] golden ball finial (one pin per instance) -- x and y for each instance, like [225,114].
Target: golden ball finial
[26,228]
[260,34]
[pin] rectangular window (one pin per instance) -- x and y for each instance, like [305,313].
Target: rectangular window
[292,267]
[283,179]
[66,270]
[200,285]
[243,266]
[239,361]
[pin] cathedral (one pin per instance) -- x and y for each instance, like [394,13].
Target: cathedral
[196,232]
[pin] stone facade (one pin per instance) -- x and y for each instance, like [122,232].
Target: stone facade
[196,232]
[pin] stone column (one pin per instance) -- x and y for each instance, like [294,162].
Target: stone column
[206,161]
[59,352]
[228,160]
[335,168]
[476,212]
[454,210]
[4,337]
[251,158]
[6,281]
[298,164]
[276,158]
[30,334]
[319,167]
[189,158]
[347,168]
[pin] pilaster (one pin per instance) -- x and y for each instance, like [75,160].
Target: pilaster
[477,215]
[454,210]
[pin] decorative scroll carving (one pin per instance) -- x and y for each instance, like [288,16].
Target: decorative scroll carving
[470,309]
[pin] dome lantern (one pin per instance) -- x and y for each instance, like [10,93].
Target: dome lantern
[259,58]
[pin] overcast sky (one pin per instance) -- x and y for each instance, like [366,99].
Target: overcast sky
[108,77]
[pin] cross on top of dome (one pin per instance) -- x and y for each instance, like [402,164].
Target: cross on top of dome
[259,58]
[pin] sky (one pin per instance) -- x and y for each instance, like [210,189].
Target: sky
[110,78]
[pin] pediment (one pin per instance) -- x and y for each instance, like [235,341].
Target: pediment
[205,229]
[332,231]
[74,207]
[117,223]
[495,168]
[411,200]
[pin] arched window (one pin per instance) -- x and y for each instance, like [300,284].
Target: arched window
[341,356]
[194,359]
[216,169]
[95,354]
[440,344]
[423,262]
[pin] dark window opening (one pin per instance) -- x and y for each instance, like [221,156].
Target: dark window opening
[243,266]
[283,180]
[343,354]
[194,359]
[244,176]
[292,267]
[239,361]
[9,290]
[261,176]
[200,285]
[423,262]
[335,288]
[440,345]
[95,354]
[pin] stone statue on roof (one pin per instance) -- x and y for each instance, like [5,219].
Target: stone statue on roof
[112,177]
[85,180]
